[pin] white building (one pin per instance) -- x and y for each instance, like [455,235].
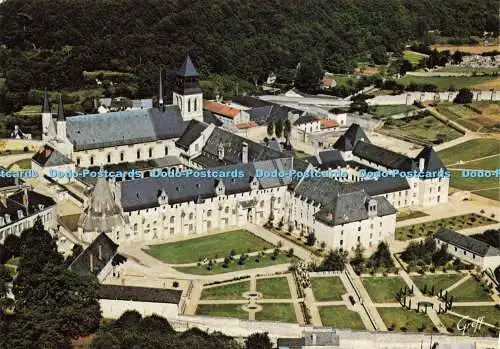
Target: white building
[231,118]
[468,249]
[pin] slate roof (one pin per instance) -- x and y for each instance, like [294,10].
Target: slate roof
[143,193]
[107,252]
[350,138]
[382,156]
[432,161]
[330,159]
[124,127]
[9,181]
[187,68]
[251,102]
[140,294]
[305,119]
[467,243]
[14,203]
[191,133]
[381,185]
[48,156]
[60,110]
[313,160]
[209,118]
[46,103]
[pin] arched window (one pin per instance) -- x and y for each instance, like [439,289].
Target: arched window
[138,153]
[109,158]
[166,150]
[189,105]
[92,160]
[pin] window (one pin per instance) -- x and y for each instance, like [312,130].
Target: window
[465,253]
[91,160]
[359,238]
[262,204]
[122,156]
[196,147]
[359,228]
[209,224]
[371,235]
[190,227]
[138,153]
[171,231]
[226,210]
[341,242]
[195,104]
[439,189]
[473,256]
[430,190]
[166,150]
[191,216]
[78,160]
[172,219]
[109,158]
[455,249]
[189,105]
[209,213]
[150,152]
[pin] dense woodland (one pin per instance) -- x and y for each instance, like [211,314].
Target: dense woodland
[49,43]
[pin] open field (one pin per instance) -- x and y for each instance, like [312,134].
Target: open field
[230,291]
[405,320]
[387,110]
[470,150]
[493,194]
[469,118]
[468,70]
[439,281]
[490,163]
[226,310]
[470,291]
[250,263]
[427,129]
[283,312]
[455,223]
[452,322]
[383,289]
[211,246]
[464,48]
[338,316]
[443,83]
[327,288]
[276,288]
[487,187]
[414,57]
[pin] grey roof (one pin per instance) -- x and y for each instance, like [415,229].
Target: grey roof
[187,68]
[382,156]
[143,193]
[14,203]
[432,161]
[142,103]
[100,252]
[209,118]
[60,110]
[124,127]
[382,185]
[331,159]
[305,119]
[467,243]
[191,133]
[350,138]
[102,213]
[207,161]
[313,160]
[48,157]
[140,294]
[46,103]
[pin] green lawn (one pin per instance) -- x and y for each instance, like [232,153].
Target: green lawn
[460,180]
[234,266]
[470,150]
[470,291]
[451,321]
[327,288]
[443,83]
[493,194]
[491,313]
[491,163]
[274,288]
[470,220]
[387,110]
[439,281]
[226,310]
[219,245]
[405,215]
[409,319]
[340,317]
[413,57]
[383,289]
[426,128]
[231,291]
[283,312]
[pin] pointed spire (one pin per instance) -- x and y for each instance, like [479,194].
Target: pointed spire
[46,104]
[60,111]
[160,92]
[187,68]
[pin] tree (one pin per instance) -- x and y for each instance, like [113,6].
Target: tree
[5,278]
[5,254]
[457,57]
[441,257]
[308,76]
[381,257]
[270,129]
[258,341]
[379,55]
[311,239]
[13,244]
[464,96]
[335,261]
[406,66]
[278,128]
[358,260]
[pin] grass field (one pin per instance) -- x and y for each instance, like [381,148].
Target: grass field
[225,310]
[470,150]
[423,128]
[212,246]
[489,193]
[471,119]
[231,291]
[327,288]
[470,291]
[464,48]
[409,319]
[339,316]
[234,266]
[468,70]
[443,83]
[491,314]
[283,312]
[276,288]
[405,215]
[487,187]
[439,281]
[383,289]
[388,110]
[455,223]
[451,321]
[414,57]
[491,163]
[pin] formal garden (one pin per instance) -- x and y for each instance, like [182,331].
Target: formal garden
[338,316]
[383,289]
[426,229]
[400,319]
[327,288]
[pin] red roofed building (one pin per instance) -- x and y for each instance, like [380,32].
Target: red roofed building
[232,118]
[328,124]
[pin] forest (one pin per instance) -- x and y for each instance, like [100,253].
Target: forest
[50,43]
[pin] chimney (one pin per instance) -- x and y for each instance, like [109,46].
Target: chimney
[421,164]
[25,197]
[244,152]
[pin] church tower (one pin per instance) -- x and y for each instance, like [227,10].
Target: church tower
[46,116]
[187,92]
